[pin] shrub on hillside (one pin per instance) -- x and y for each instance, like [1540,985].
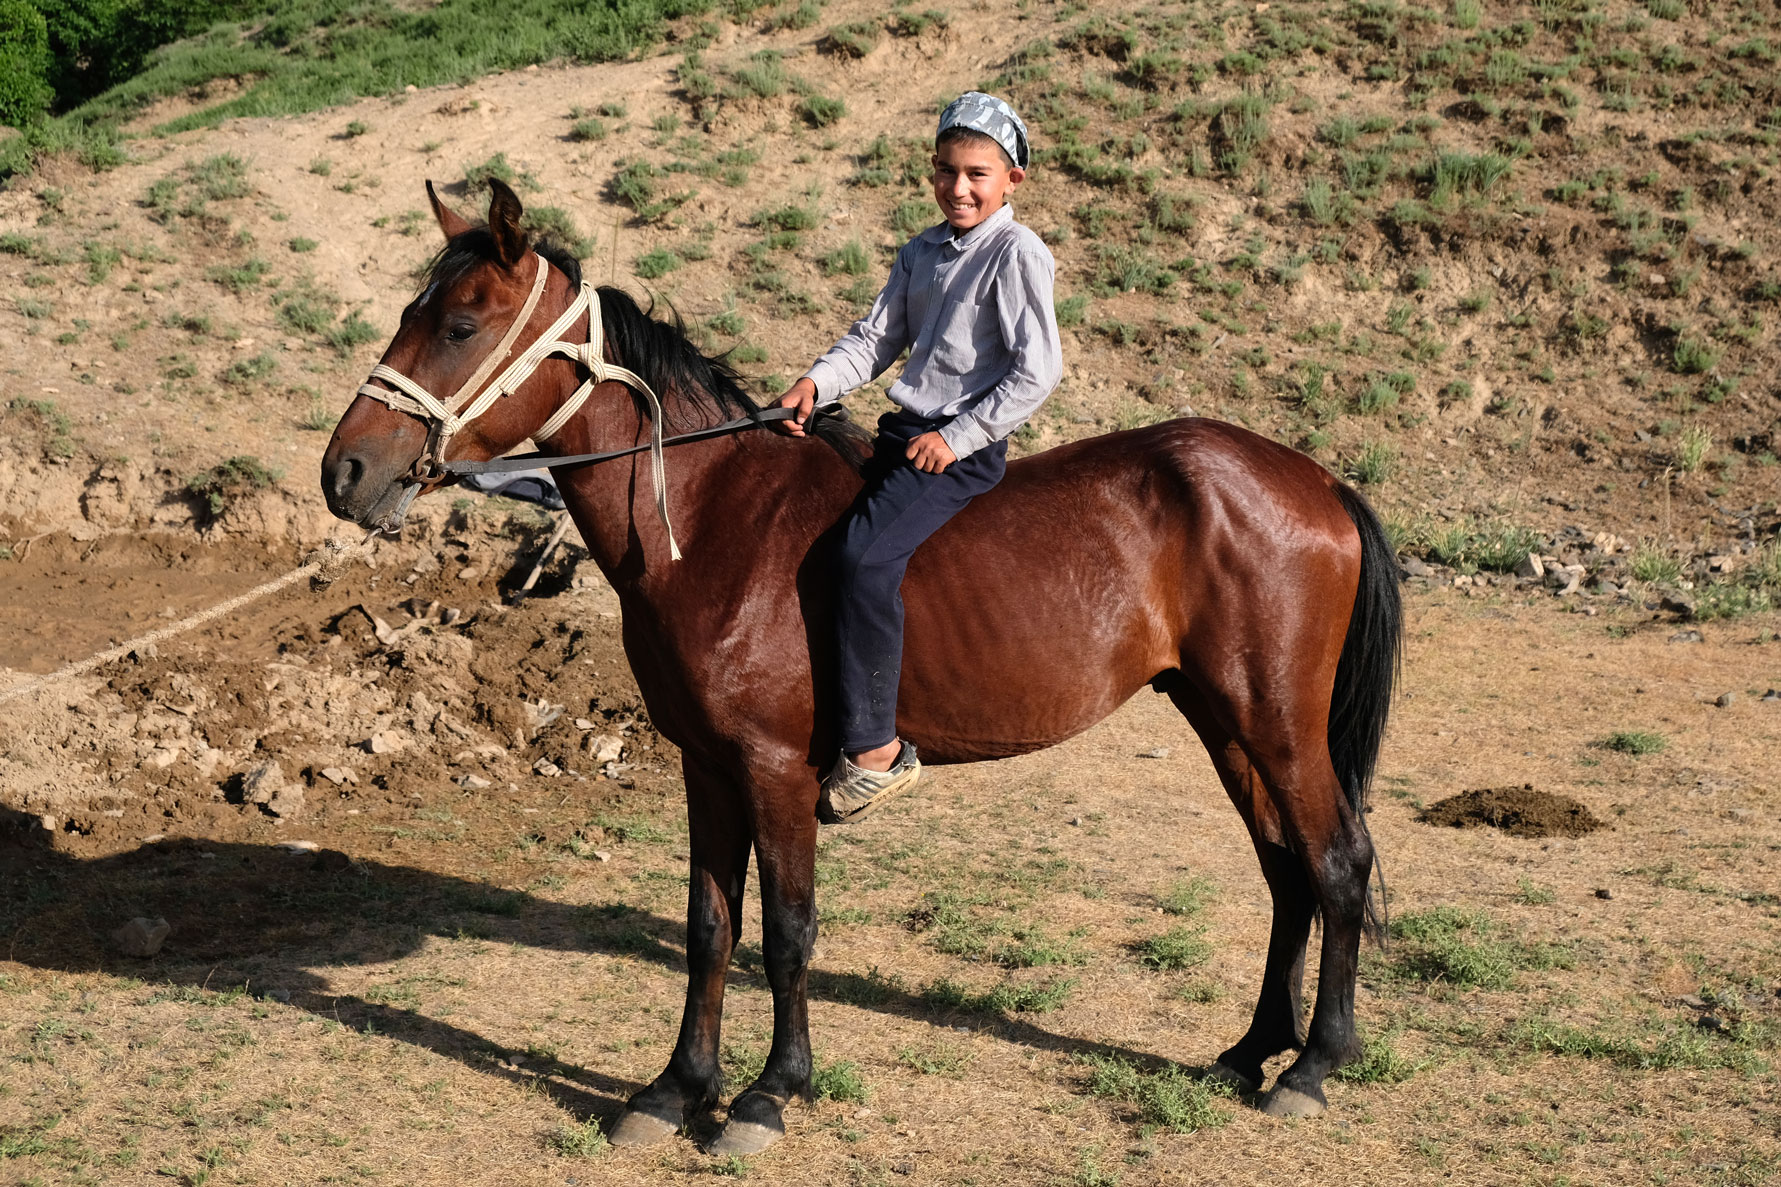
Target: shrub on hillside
[24,63]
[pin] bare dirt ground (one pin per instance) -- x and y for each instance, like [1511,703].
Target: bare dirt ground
[423,960]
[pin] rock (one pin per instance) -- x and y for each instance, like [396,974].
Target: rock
[1725,699]
[1414,566]
[385,742]
[1606,588]
[1565,580]
[141,937]
[299,846]
[339,776]
[604,748]
[602,855]
[332,861]
[288,802]
[1714,1023]
[1530,566]
[279,995]
[474,783]
[1692,1001]
[1678,605]
[1602,892]
[1076,821]
[1687,637]
[583,724]
[47,822]
[1155,752]
[548,769]
[261,783]
[1772,695]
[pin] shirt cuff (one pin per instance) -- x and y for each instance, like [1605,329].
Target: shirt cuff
[828,384]
[964,436]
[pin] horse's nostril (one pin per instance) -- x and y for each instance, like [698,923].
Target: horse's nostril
[347,475]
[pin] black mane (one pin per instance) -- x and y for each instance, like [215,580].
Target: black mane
[685,378]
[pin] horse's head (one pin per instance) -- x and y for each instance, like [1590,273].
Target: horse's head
[455,337]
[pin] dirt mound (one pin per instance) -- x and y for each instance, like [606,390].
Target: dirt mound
[1518,811]
[412,679]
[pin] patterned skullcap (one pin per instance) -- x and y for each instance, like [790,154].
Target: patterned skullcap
[989,115]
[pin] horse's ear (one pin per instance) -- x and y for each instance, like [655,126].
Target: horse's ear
[505,213]
[450,221]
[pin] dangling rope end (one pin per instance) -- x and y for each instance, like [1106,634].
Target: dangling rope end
[673,548]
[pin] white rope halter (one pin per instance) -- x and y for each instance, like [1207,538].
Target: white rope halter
[444,423]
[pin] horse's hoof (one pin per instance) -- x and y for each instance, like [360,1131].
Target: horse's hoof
[742,1138]
[638,1128]
[1290,1102]
[1224,1073]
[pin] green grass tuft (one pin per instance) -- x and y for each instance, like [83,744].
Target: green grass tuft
[1178,948]
[1171,1098]
[1634,742]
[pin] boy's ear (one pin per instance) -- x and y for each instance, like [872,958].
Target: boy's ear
[1016,175]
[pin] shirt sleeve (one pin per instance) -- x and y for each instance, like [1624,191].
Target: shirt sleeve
[1028,324]
[868,349]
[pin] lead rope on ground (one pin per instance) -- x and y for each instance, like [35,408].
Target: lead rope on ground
[324,565]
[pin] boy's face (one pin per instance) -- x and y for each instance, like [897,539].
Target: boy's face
[971,181]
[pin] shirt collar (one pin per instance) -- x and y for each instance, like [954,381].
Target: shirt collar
[963,243]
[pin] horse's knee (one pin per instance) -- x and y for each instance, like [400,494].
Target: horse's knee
[710,931]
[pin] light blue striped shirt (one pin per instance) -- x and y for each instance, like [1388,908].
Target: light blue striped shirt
[975,313]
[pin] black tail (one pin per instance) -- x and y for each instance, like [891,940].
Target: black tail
[1372,656]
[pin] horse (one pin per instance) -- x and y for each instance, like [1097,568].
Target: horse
[1226,571]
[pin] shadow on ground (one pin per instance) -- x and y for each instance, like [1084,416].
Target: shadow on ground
[260,917]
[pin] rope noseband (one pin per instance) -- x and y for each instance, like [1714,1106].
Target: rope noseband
[444,422]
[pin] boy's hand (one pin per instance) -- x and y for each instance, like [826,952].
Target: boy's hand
[802,396]
[930,453]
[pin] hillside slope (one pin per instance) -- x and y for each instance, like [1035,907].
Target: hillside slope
[1511,266]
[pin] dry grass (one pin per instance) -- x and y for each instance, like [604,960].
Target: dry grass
[489,1000]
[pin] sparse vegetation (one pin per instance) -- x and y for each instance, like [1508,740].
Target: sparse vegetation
[229,480]
[1170,1098]
[1634,742]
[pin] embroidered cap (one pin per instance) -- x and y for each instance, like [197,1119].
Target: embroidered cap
[994,118]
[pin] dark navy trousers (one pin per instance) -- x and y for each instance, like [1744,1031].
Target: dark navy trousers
[899,508]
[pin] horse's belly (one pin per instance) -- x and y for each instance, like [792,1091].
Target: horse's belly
[1019,684]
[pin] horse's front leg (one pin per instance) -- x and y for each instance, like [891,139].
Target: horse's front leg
[785,849]
[718,826]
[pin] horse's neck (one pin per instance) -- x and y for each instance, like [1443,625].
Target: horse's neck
[720,493]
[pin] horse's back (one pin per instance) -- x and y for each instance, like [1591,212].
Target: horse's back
[1083,575]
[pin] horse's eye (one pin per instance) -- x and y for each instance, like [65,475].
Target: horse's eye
[461,332]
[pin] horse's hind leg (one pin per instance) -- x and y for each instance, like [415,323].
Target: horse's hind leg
[1331,846]
[719,836]
[1277,1024]
[1303,824]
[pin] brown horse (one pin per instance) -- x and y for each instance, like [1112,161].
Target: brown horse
[1230,573]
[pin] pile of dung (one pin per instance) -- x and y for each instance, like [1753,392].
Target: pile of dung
[1518,811]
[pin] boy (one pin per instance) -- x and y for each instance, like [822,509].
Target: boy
[971,300]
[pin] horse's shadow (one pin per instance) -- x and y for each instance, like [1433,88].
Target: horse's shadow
[261,917]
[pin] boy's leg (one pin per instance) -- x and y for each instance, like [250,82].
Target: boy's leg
[902,508]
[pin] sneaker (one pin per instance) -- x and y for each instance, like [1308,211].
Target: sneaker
[850,791]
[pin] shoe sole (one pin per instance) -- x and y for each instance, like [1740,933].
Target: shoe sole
[891,790]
